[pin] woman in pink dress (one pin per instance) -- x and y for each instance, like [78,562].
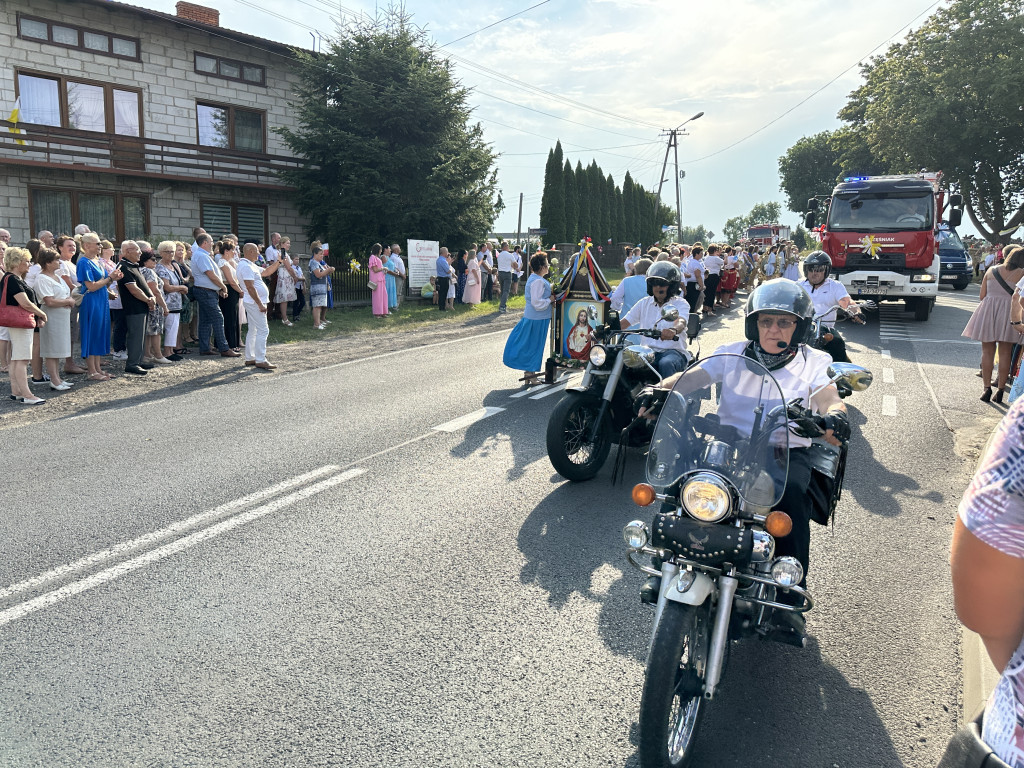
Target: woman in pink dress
[377,275]
[990,323]
[471,294]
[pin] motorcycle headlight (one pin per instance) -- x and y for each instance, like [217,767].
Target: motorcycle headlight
[705,497]
[787,571]
[598,355]
[635,534]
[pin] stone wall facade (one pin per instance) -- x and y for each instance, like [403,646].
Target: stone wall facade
[171,87]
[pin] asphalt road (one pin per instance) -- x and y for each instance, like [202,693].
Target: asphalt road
[303,570]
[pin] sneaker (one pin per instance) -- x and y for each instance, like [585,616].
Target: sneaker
[120,355]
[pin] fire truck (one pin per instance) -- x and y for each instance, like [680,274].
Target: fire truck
[882,233]
[767,235]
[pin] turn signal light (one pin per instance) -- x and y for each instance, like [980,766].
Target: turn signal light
[778,524]
[643,494]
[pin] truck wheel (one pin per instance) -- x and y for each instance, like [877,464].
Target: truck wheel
[922,308]
[961,284]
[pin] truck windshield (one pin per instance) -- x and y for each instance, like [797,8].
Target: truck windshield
[880,212]
[759,232]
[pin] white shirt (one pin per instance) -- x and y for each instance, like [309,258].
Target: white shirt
[798,379]
[69,269]
[826,295]
[399,264]
[517,265]
[245,271]
[713,264]
[646,315]
[33,272]
[505,261]
[538,300]
[485,259]
[691,267]
[271,254]
[628,264]
[731,261]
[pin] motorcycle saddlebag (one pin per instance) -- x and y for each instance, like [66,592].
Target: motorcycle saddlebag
[708,543]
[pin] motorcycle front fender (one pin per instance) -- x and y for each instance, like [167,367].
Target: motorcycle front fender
[703,585]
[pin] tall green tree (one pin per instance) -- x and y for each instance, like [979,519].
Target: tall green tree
[735,228]
[552,216]
[810,167]
[572,204]
[620,218]
[697,234]
[383,126]
[628,213]
[583,198]
[949,98]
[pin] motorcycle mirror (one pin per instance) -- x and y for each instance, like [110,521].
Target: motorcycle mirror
[855,377]
[670,313]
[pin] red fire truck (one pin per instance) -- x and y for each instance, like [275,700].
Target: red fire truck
[767,235]
[882,235]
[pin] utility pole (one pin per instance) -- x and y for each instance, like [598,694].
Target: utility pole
[519,224]
[673,146]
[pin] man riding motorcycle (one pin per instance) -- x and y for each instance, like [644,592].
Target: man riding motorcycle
[778,321]
[663,285]
[826,293]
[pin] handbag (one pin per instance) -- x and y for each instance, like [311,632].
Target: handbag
[372,285]
[14,315]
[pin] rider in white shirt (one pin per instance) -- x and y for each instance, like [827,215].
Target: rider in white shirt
[663,284]
[826,293]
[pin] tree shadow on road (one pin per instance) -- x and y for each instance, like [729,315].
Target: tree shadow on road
[876,487]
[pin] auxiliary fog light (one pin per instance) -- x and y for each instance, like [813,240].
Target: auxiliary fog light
[636,535]
[787,571]
[598,355]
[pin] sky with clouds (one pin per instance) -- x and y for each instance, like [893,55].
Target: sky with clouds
[764,72]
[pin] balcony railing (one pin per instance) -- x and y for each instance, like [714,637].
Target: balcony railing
[125,155]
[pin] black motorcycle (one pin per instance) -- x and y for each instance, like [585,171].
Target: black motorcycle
[585,421]
[718,464]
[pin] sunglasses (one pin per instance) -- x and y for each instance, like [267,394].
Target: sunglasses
[815,269]
[783,323]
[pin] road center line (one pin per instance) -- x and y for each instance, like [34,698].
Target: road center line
[470,418]
[554,390]
[887,354]
[150,538]
[888,376]
[128,566]
[890,406]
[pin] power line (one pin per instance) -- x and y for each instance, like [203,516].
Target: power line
[816,92]
[518,13]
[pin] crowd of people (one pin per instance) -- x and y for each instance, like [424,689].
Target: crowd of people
[471,276]
[146,306]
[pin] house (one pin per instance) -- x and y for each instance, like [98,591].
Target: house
[142,124]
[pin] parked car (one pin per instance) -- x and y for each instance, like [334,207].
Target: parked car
[955,268]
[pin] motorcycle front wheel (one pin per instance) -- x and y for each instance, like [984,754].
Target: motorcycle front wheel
[672,703]
[575,452]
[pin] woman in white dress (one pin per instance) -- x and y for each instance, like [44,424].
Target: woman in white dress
[285,281]
[55,298]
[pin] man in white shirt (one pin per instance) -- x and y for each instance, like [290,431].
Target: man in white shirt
[693,272]
[713,264]
[825,294]
[271,253]
[255,297]
[396,256]
[504,276]
[663,284]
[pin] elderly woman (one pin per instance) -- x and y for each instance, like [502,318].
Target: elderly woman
[174,296]
[66,250]
[16,293]
[285,280]
[155,320]
[55,336]
[94,312]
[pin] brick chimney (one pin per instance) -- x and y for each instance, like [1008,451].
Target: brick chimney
[199,13]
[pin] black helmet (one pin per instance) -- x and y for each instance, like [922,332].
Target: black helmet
[818,259]
[780,295]
[664,272]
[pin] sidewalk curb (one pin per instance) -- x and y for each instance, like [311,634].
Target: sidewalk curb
[980,676]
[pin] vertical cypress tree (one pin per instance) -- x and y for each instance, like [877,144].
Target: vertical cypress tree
[628,214]
[595,184]
[609,210]
[545,199]
[572,204]
[620,217]
[639,231]
[583,198]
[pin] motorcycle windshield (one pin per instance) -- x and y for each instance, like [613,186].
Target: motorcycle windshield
[726,415]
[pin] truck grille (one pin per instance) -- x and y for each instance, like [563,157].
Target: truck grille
[894,262]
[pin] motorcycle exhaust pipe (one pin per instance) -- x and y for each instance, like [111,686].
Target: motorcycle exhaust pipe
[720,635]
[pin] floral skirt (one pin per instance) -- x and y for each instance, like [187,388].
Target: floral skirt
[155,322]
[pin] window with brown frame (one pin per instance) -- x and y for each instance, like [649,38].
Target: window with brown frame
[218,125]
[83,38]
[249,222]
[112,215]
[229,69]
[81,104]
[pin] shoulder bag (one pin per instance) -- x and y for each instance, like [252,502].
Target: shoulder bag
[13,315]
[1002,282]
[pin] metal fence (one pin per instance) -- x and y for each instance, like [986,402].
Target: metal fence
[350,287]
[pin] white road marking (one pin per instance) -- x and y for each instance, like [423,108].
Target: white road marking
[554,390]
[888,376]
[530,391]
[887,353]
[470,418]
[128,566]
[175,528]
[935,399]
[890,406]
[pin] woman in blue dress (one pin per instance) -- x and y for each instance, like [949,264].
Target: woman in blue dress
[94,312]
[390,270]
[524,350]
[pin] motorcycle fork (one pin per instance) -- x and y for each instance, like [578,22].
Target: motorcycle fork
[720,634]
[609,392]
[668,572]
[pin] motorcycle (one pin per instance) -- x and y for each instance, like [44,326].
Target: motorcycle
[822,335]
[582,424]
[718,463]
